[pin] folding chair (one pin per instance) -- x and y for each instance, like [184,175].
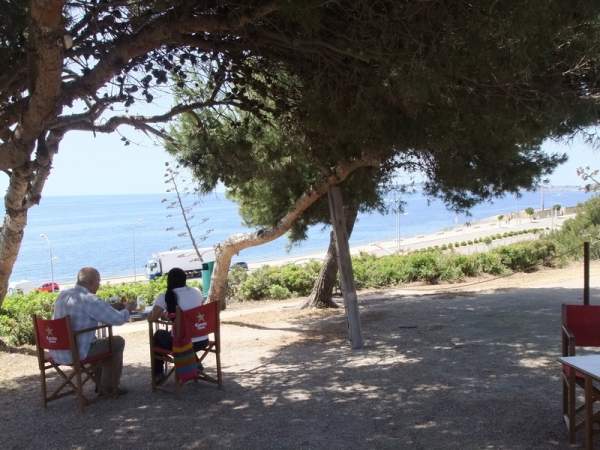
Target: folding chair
[57,335]
[196,322]
[580,328]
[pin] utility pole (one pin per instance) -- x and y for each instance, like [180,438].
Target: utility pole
[45,237]
[398,227]
[137,222]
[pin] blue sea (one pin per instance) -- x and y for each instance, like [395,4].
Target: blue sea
[117,234]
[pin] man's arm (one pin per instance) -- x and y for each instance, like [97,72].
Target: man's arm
[104,313]
[155,314]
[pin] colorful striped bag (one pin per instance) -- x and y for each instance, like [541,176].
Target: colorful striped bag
[184,358]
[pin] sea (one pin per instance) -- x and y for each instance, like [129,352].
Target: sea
[118,233]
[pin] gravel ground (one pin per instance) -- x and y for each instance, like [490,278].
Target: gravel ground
[467,368]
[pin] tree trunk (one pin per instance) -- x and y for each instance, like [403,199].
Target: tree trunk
[238,242]
[322,291]
[336,208]
[24,191]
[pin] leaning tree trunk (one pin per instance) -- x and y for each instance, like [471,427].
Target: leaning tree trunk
[238,242]
[24,191]
[322,292]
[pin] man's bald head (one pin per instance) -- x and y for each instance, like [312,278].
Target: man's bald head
[89,278]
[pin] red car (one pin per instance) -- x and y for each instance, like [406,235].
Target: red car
[49,287]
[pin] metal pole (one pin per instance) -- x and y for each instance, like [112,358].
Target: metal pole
[45,237]
[398,227]
[586,273]
[51,266]
[134,271]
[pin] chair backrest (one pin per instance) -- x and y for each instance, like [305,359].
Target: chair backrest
[202,320]
[584,322]
[53,334]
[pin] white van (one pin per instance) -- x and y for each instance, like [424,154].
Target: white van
[22,286]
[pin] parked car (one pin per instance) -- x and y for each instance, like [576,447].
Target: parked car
[49,287]
[241,265]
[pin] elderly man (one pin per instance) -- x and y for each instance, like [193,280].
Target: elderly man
[86,310]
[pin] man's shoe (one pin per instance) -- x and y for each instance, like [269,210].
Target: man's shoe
[112,393]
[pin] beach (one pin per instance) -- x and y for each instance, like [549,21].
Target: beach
[477,230]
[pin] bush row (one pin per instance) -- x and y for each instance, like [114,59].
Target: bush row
[483,240]
[370,271]
[16,312]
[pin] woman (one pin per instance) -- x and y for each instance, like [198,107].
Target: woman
[177,294]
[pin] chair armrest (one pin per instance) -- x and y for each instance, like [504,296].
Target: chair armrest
[86,330]
[568,342]
[161,321]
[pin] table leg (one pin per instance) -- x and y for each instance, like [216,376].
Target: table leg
[589,413]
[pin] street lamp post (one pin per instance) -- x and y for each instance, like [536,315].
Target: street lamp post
[43,236]
[138,222]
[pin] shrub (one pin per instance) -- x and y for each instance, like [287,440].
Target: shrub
[490,263]
[463,244]
[423,267]
[467,265]
[279,292]
[585,226]
[236,277]
[256,285]
[525,256]
[470,242]
[488,240]
[15,316]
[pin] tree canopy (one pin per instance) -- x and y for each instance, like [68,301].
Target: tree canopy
[447,80]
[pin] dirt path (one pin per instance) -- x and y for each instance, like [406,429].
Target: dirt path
[473,367]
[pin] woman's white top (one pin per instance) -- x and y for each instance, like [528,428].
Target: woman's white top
[187,298]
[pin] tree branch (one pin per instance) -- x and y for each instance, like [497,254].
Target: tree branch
[84,121]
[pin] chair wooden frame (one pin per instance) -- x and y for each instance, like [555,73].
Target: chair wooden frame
[570,377]
[214,346]
[82,370]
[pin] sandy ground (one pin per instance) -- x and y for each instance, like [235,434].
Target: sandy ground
[449,367]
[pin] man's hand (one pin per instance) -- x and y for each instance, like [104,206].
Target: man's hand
[118,306]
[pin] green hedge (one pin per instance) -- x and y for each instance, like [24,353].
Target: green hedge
[291,280]
[429,266]
[15,315]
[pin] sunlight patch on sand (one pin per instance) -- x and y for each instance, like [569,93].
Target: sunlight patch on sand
[431,388]
[296,395]
[382,360]
[535,363]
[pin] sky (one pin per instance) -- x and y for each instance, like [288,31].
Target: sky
[103,165]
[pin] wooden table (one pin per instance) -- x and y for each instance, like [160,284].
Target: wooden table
[589,367]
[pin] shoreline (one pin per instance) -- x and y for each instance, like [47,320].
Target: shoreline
[478,229]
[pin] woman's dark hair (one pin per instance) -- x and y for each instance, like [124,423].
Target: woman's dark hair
[175,279]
